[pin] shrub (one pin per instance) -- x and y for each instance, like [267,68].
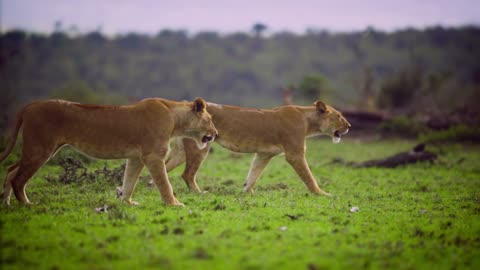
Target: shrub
[75,172]
[69,152]
[313,86]
[403,126]
[397,92]
[460,133]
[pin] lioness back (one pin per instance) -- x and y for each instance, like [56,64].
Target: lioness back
[106,132]
[255,130]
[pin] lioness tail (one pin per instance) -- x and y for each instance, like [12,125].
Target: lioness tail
[13,139]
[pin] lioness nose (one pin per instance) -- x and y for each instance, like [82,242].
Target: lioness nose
[215,132]
[349,126]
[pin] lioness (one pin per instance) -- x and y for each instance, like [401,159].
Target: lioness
[266,133]
[139,133]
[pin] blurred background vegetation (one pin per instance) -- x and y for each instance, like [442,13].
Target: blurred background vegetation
[427,74]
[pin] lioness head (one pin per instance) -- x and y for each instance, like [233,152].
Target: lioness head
[199,124]
[331,121]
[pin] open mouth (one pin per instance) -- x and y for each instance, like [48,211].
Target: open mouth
[207,138]
[336,137]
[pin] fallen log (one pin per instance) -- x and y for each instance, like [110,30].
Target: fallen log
[418,154]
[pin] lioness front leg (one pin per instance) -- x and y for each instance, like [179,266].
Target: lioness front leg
[194,158]
[176,156]
[259,163]
[132,171]
[299,163]
[156,166]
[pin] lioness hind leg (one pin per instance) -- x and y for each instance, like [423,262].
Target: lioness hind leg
[35,152]
[7,184]
[37,148]
[194,157]
[24,172]
[132,171]
[259,163]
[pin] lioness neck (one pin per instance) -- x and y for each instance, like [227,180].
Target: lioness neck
[311,119]
[180,119]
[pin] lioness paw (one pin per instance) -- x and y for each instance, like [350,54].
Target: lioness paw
[130,202]
[6,202]
[175,203]
[249,191]
[323,193]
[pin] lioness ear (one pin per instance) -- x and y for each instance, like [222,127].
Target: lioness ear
[321,107]
[199,105]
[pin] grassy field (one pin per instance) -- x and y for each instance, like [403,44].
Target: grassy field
[424,216]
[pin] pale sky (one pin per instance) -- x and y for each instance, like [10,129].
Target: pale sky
[150,16]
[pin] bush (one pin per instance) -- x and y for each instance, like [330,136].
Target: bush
[459,133]
[69,152]
[313,86]
[403,126]
[398,91]
[80,91]
[75,172]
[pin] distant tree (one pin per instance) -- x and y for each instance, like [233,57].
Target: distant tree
[73,30]
[58,26]
[207,36]
[15,37]
[95,37]
[58,39]
[258,29]
[132,41]
[398,92]
[77,91]
[239,68]
[173,34]
[377,35]
[80,91]
[313,86]
[238,37]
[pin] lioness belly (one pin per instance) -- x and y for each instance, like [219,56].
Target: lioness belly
[249,146]
[103,138]
[107,151]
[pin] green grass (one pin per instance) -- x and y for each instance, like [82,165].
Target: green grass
[422,216]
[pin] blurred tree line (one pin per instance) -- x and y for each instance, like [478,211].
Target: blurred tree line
[432,70]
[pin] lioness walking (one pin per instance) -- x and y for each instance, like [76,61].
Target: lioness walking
[266,133]
[139,133]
